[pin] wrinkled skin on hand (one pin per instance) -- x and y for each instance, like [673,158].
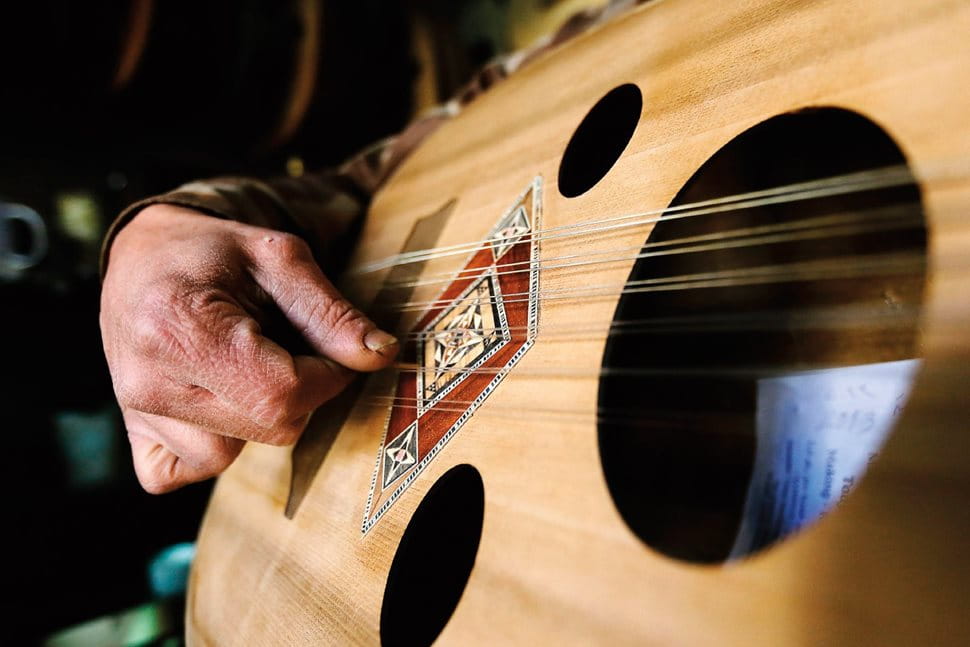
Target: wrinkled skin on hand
[183,309]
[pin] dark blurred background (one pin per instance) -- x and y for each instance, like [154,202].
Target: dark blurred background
[101,104]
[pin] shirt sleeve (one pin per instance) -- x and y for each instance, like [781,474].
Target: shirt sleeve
[321,207]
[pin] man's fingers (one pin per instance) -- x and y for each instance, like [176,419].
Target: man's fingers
[265,411]
[285,269]
[255,376]
[250,387]
[169,454]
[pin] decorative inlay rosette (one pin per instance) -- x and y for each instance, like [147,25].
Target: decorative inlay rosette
[464,345]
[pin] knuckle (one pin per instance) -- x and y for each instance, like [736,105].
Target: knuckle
[153,333]
[139,391]
[167,323]
[285,247]
[244,343]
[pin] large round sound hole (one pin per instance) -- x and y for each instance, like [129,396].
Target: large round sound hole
[599,140]
[433,560]
[764,345]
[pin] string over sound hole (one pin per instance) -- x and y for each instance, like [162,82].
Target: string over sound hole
[746,395]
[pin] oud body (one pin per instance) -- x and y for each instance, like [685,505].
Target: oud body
[557,561]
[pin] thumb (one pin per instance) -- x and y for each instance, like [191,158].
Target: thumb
[284,267]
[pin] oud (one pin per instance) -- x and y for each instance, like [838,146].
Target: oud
[684,313]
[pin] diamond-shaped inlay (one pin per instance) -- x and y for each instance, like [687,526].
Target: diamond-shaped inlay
[460,349]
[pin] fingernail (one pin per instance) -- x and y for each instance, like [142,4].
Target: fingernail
[378,341]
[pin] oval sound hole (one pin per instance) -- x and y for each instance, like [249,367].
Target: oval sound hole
[759,372]
[599,140]
[433,560]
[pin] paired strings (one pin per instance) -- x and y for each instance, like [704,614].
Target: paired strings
[882,178]
[845,267]
[805,318]
[843,224]
[835,224]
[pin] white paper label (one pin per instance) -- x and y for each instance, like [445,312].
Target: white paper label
[817,431]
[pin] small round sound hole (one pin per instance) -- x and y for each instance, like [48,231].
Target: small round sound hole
[599,140]
[766,343]
[433,560]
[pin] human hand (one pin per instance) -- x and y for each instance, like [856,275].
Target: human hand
[184,306]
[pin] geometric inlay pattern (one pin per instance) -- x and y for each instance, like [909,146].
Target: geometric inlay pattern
[463,345]
[461,339]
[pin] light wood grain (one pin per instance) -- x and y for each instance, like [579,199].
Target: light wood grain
[556,564]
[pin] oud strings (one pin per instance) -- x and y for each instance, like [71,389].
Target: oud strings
[883,178]
[830,317]
[844,267]
[908,211]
